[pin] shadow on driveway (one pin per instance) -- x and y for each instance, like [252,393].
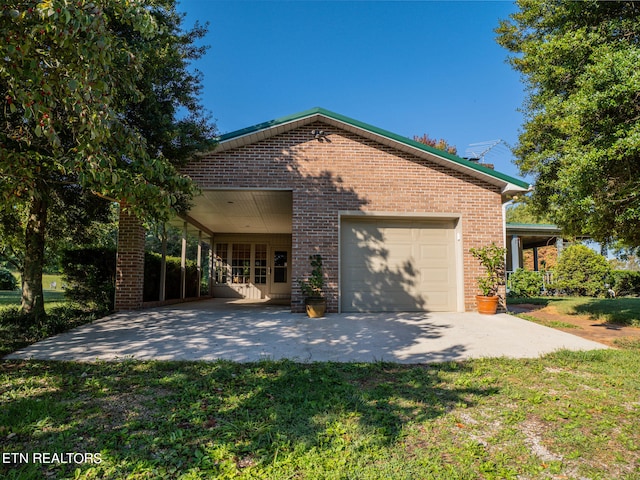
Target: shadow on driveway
[221,329]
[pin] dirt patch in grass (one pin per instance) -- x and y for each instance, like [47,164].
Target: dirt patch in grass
[581,325]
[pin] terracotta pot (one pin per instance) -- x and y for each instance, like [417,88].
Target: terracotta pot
[487,305]
[316,307]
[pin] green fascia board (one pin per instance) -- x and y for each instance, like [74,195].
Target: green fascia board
[536,225]
[378,131]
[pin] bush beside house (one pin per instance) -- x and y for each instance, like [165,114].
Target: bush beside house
[89,274]
[525,283]
[581,271]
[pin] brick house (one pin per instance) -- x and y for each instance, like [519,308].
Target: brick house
[392,218]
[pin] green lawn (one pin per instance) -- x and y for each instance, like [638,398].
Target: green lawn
[13,297]
[50,295]
[567,415]
[623,311]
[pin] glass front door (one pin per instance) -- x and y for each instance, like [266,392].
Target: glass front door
[281,270]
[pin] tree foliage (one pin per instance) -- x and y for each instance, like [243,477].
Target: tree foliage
[92,93]
[7,280]
[441,144]
[581,137]
[524,212]
[581,271]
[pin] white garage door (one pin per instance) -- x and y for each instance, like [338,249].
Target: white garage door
[397,265]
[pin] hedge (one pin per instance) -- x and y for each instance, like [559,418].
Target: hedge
[152,268]
[90,275]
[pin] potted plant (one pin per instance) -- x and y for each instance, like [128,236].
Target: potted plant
[492,258]
[315,303]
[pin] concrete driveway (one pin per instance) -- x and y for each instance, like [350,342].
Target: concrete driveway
[242,332]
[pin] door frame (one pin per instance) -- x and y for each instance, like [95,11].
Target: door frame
[279,288]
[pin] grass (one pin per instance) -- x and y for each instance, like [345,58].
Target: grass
[547,323]
[566,415]
[621,311]
[12,297]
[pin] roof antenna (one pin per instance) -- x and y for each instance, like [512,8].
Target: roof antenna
[476,152]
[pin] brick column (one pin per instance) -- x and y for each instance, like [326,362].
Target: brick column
[130,262]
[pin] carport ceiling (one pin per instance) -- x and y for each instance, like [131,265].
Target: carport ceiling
[243,211]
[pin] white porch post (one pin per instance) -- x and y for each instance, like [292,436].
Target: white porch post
[163,265]
[515,253]
[212,264]
[199,262]
[183,264]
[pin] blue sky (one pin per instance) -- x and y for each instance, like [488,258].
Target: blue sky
[405,66]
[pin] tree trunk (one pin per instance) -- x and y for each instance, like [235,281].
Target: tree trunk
[32,294]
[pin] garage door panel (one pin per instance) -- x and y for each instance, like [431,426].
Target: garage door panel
[367,302]
[397,265]
[435,276]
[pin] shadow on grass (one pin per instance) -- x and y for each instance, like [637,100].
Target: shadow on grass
[217,417]
[538,301]
[12,297]
[618,311]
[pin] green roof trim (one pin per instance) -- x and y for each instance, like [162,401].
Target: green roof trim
[532,225]
[378,131]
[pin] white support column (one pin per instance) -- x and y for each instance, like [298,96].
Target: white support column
[212,266]
[199,262]
[183,264]
[163,265]
[515,253]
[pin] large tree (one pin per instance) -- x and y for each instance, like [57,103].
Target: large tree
[92,92]
[581,137]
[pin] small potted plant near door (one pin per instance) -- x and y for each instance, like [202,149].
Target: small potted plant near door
[492,258]
[315,303]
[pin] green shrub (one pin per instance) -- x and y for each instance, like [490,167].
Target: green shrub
[625,282]
[27,329]
[90,276]
[525,283]
[12,315]
[152,268]
[7,280]
[581,271]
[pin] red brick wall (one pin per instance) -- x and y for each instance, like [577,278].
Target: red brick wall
[129,263]
[349,172]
